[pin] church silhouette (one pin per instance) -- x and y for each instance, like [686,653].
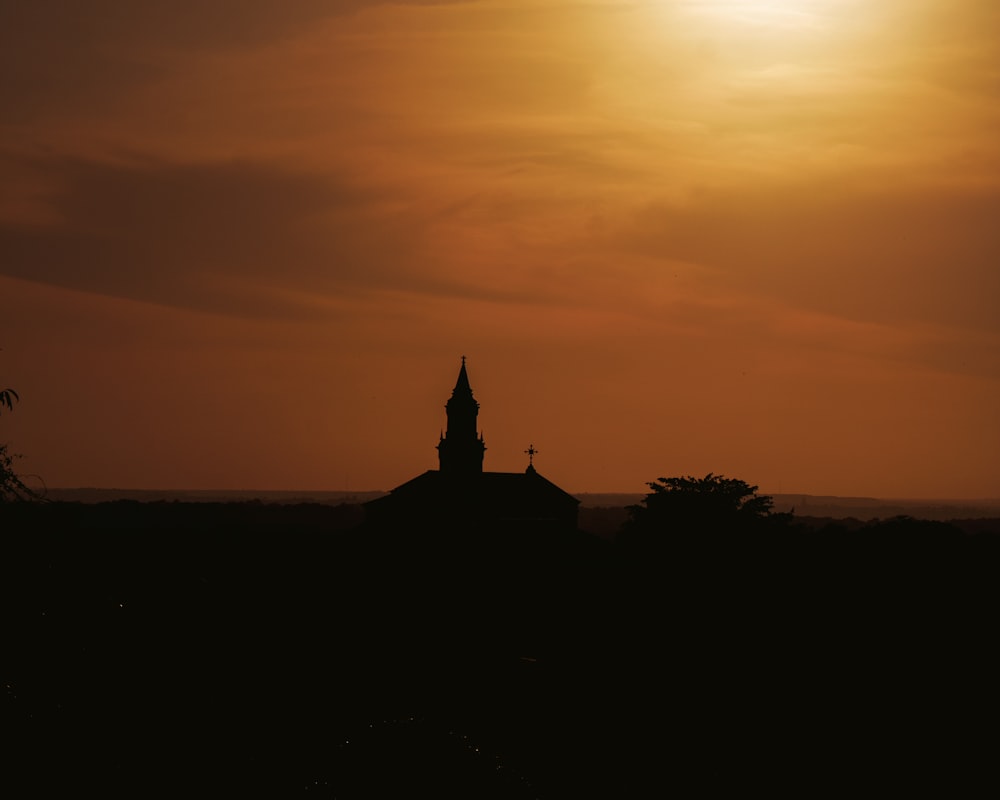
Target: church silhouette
[461,494]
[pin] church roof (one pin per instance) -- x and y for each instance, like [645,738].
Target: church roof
[490,495]
[488,483]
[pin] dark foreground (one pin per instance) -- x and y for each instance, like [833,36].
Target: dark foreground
[226,649]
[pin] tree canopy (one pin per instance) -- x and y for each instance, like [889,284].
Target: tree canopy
[687,505]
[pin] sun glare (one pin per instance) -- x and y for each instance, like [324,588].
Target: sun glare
[790,14]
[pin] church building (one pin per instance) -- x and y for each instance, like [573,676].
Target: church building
[460,493]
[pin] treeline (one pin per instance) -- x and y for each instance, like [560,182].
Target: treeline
[236,647]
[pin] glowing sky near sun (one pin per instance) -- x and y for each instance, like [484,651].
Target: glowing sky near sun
[244,245]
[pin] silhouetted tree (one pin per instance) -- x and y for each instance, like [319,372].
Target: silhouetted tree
[11,485]
[688,505]
[7,396]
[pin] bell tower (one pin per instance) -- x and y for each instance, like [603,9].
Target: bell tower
[461,448]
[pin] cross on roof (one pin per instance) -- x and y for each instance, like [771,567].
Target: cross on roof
[531,451]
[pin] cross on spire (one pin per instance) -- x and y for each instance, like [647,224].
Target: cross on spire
[531,451]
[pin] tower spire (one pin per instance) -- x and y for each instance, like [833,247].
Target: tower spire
[462,384]
[461,449]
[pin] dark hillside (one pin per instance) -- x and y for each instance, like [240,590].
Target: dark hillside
[235,647]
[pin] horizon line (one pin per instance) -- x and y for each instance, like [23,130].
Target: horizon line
[877,498]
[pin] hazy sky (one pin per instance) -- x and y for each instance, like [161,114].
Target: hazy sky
[244,244]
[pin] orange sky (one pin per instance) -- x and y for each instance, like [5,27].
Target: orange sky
[243,245]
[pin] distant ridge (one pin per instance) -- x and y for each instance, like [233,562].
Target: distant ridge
[869,508]
[804,505]
[288,497]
